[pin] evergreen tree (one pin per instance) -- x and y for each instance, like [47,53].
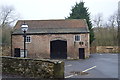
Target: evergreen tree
[81,12]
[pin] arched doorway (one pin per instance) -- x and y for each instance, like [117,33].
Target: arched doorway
[58,49]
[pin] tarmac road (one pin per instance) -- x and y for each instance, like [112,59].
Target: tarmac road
[97,66]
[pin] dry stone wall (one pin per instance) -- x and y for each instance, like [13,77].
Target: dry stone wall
[105,49]
[33,68]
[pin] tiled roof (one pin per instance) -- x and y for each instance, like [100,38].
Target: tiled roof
[55,30]
[53,26]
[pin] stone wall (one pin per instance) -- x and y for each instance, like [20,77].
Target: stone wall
[0,50]
[33,68]
[6,51]
[105,49]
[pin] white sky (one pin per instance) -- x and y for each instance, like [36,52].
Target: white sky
[58,9]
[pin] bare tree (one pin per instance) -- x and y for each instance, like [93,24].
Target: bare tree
[113,20]
[113,24]
[98,23]
[7,15]
[106,33]
[98,20]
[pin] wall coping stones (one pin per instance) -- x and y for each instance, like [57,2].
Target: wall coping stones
[46,60]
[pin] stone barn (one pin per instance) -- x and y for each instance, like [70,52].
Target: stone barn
[52,39]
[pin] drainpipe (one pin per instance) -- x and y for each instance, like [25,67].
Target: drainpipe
[11,44]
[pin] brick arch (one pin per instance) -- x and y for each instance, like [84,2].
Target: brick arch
[58,38]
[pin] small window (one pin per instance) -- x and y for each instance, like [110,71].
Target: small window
[77,37]
[28,39]
[81,43]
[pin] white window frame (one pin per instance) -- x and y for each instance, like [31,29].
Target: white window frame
[30,39]
[77,40]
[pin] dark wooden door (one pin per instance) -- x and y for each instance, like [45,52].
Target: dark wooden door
[81,53]
[17,52]
[58,49]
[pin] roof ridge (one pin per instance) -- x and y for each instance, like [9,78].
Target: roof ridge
[52,20]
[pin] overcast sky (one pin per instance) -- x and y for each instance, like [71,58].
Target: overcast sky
[58,9]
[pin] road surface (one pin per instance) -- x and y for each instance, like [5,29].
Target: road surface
[97,66]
